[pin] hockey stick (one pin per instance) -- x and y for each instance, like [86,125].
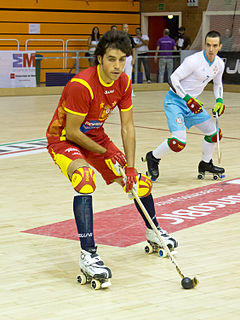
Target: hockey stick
[218,144]
[186,282]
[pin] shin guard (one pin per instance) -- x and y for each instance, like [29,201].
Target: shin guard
[83,212]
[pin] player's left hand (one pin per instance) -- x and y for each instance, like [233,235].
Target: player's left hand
[219,109]
[131,178]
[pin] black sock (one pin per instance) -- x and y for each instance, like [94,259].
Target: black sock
[83,212]
[149,206]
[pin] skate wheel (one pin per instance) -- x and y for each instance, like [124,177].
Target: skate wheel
[162,253]
[215,177]
[149,249]
[200,176]
[143,159]
[95,284]
[82,279]
[153,179]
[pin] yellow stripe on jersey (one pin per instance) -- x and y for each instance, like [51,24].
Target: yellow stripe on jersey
[129,80]
[84,83]
[74,112]
[101,80]
[123,110]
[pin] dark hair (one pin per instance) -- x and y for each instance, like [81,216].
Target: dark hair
[113,27]
[114,40]
[181,28]
[213,34]
[93,34]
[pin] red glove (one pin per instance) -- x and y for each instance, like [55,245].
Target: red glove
[116,157]
[131,175]
[193,104]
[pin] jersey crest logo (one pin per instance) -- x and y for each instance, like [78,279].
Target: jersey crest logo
[104,112]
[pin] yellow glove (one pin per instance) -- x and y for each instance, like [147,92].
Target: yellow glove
[219,107]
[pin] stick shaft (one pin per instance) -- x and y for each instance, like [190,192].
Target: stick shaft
[146,214]
[218,144]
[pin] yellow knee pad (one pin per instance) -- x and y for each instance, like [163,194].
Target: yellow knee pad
[143,187]
[84,180]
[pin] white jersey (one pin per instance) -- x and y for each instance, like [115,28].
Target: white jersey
[143,48]
[192,76]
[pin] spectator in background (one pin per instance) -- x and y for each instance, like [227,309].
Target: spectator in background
[141,45]
[92,44]
[130,60]
[166,60]
[113,28]
[227,41]
[183,42]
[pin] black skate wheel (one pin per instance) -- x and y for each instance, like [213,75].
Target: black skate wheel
[162,253]
[215,177]
[82,279]
[149,249]
[143,159]
[200,176]
[95,284]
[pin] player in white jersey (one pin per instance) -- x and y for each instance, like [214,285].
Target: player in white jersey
[183,110]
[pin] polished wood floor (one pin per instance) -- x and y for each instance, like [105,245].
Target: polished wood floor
[38,273]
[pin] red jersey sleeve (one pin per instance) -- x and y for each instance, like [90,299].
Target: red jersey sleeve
[125,103]
[78,97]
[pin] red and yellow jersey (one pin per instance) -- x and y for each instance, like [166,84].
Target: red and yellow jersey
[88,95]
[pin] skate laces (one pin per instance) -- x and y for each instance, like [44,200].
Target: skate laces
[91,259]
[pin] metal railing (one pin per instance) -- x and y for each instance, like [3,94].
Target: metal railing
[77,56]
[49,40]
[175,54]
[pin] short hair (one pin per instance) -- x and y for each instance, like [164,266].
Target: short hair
[166,32]
[114,40]
[213,34]
[181,28]
[113,27]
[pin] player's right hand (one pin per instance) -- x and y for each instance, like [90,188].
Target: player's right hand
[193,104]
[114,160]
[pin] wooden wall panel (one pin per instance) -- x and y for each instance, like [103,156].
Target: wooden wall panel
[62,19]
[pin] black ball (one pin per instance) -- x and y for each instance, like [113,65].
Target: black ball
[187,283]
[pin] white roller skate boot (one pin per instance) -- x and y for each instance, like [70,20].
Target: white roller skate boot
[94,270]
[154,244]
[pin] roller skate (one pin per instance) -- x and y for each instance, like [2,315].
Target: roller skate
[208,167]
[154,244]
[93,270]
[152,165]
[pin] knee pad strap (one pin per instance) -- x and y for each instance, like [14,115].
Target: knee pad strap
[176,145]
[213,138]
[84,180]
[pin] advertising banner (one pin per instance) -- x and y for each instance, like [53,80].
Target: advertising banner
[17,69]
[231,73]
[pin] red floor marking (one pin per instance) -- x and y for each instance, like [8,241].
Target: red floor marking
[123,226]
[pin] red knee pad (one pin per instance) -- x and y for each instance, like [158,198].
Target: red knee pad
[176,145]
[213,138]
[84,180]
